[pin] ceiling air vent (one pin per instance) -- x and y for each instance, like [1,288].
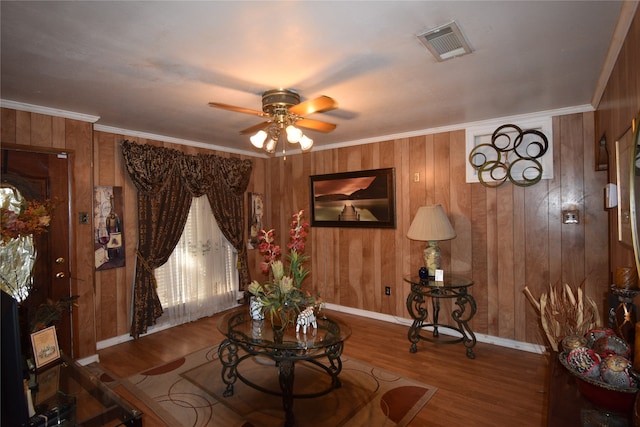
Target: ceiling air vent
[445,41]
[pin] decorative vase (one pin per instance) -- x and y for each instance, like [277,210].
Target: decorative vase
[278,326]
[255,309]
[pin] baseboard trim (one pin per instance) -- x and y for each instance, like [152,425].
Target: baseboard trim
[488,339]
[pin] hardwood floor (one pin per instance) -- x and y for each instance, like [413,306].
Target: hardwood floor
[501,387]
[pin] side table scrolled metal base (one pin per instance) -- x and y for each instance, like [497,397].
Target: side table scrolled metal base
[454,288]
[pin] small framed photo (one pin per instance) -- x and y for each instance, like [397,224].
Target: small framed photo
[45,346]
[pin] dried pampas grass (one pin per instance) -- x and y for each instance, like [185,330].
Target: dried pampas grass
[564,311]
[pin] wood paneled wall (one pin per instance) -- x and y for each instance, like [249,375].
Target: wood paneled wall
[507,238]
[620,103]
[41,131]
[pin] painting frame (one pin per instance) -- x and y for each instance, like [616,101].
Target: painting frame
[256,218]
[45,346]
[109,246]
[332,199]
[601,154]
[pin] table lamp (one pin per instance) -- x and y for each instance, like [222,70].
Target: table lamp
[431,225]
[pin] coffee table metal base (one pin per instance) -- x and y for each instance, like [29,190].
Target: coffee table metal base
[285,360]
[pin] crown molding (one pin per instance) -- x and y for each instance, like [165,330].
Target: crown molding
[21,106]
[421,132]
[462,126]
[625,18]
[126,133]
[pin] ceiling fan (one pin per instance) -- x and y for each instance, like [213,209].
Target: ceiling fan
[284,111]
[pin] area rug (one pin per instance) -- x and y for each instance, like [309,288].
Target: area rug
[188,392]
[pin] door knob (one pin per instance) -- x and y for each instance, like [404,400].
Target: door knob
[60,275]
[59,260]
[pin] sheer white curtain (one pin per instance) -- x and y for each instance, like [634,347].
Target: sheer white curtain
[200,278]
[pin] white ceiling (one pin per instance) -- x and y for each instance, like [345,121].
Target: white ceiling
[152,67]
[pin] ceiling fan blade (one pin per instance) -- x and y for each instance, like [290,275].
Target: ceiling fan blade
[317,105]
[315,125]
[255,128]
[237,109]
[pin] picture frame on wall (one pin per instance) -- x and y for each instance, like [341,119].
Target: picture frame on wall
[108,211]
[362,199]
[256,217]
[602,154]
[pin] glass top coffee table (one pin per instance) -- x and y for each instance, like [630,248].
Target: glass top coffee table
[247,338]
[70,395]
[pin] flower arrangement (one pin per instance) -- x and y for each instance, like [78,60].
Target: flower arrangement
[282,297]
[564,312]
[31,220]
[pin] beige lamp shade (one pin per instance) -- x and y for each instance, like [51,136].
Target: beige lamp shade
[431,224]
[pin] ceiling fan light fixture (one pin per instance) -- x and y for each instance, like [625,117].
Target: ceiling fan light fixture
[282,109]
[293,134]
[271,145]
[305,143]
[258,139]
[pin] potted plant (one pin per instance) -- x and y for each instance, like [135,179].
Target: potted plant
[281,297]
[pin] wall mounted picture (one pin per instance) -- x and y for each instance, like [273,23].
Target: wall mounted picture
[354,199]
[256,210]
[108,228]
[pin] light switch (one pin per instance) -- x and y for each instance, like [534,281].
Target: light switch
[610,196]
[416,177]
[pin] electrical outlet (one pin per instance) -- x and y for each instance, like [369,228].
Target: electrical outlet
[387,290]
[83,218]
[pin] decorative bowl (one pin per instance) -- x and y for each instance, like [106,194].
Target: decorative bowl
[606,396]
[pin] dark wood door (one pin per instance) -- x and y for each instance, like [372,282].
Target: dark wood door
[44,175]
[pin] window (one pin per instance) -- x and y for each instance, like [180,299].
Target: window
[200,278]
